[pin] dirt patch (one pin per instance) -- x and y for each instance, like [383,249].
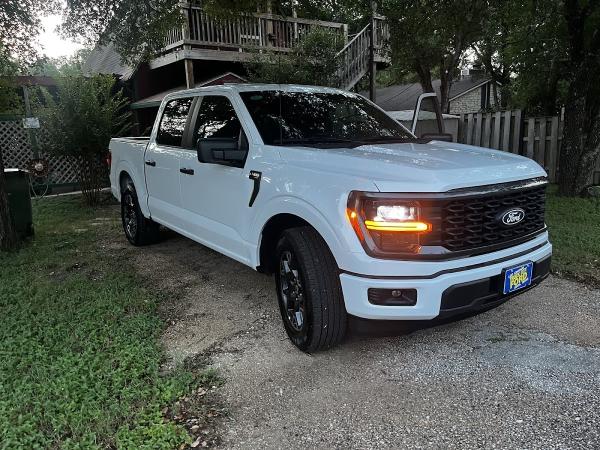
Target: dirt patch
[524,375]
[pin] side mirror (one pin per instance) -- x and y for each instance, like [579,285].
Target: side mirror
[224,151]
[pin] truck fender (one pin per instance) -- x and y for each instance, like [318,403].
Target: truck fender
[140,184]
[302,209]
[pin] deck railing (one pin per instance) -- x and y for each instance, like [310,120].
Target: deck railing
[246,31]
[354,58]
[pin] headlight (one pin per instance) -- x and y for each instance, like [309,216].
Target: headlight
[386,226]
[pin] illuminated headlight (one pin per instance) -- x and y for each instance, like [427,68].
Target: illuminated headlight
[385,225]
[395,213]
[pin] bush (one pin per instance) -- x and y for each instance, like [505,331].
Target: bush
[313,61]
[81,122]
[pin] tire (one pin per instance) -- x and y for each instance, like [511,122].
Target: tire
[138,230]
[307,279]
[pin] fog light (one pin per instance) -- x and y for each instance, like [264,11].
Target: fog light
[392,297]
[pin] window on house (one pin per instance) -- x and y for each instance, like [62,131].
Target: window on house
[172,123]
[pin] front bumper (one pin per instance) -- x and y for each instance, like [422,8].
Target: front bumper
[445,293]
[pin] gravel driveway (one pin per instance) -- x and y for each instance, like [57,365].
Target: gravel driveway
[524,375]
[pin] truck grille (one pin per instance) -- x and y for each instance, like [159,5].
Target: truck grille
[470,223]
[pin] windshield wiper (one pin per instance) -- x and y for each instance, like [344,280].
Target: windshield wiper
[384,139]
[315,140]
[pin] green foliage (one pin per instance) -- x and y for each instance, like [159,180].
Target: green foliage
[10,102]
[432,34]
[88,112]
[80,358]
[20,24]
[136,28]
[573,224]
[313,62]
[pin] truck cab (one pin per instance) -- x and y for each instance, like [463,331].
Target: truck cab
[351,211]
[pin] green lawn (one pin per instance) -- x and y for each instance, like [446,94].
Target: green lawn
[575,233]
[79,353]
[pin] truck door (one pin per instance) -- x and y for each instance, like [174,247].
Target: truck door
[162,163]
[215,193]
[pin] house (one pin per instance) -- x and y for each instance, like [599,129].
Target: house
[207,51]
[471,93]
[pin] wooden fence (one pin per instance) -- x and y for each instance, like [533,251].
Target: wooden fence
[538,138]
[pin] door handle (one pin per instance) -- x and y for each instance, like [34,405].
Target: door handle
[254,176]
[187,171]
[151,163]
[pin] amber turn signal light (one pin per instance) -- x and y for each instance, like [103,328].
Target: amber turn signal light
[412,227]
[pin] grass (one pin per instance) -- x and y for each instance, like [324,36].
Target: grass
[574,225]
[79,353]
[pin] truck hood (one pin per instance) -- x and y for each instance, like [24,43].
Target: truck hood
[410,167]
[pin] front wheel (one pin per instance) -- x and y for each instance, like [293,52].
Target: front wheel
[309,290]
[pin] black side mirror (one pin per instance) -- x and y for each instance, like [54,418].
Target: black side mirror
[224,151]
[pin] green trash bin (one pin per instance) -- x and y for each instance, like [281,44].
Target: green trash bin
[19,200]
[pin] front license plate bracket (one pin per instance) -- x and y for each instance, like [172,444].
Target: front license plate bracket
[517,277]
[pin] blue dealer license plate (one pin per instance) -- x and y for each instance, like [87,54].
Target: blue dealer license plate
[518,277]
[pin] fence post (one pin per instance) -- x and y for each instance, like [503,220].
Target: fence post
[469,140]
[506,134]
[541,153]
[553,157]
[496,135]
[530,137]
[517,138]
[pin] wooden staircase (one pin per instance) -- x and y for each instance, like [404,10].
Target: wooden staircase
[355,56]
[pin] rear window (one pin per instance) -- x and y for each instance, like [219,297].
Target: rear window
[172,123]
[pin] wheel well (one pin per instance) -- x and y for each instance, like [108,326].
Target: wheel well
[270,236]
[123,177]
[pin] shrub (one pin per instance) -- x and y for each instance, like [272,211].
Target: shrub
[88,111]
[313,61]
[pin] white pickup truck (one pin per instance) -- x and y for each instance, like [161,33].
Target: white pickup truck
[351,211]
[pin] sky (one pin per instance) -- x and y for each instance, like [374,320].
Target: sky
[53,45]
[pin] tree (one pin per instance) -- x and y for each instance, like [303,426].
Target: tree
[88,112]
[580,150]
[432,36]
[312,62]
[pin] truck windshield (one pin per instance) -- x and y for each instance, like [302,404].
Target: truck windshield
[320,119]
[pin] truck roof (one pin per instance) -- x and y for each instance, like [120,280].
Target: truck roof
[244,87]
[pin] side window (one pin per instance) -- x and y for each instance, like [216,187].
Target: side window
[216,119]
[172,123]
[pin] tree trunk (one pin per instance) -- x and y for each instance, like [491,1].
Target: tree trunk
[445,83]
[9,240]
[580,149]
[92,174]
[424,74]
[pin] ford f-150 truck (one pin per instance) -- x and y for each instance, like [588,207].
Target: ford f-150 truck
[352,213]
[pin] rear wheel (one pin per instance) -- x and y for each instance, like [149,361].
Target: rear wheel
[309,291]
[138,230]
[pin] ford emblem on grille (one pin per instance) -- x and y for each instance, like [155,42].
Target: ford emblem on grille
[513,216]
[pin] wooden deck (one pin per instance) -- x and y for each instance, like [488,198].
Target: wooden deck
[203,37]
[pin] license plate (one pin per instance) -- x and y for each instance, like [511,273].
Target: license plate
[518,277]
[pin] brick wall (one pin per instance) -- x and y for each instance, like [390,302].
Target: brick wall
[470,102]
